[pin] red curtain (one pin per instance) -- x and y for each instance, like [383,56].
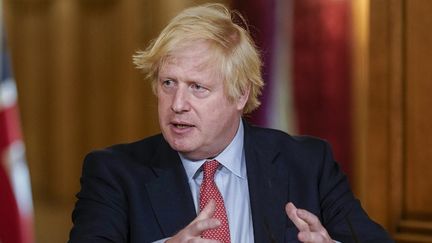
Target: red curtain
[322,79]
[321,75]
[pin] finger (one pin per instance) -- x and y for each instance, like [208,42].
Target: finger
[318,232]
[200,226]
[311,237]
[204,220]
[192,232]
[195,239]
[201,240]
[312,220]
[291,211]
[208,211]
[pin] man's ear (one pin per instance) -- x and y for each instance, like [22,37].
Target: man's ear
[243,98]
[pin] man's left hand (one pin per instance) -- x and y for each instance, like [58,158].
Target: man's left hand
[311,229]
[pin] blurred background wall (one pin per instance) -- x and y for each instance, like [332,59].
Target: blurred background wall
[78,91]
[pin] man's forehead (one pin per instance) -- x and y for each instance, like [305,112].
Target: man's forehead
[202,60]
[204,63]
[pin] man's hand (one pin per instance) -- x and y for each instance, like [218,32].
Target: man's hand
[203,222]
[311,229]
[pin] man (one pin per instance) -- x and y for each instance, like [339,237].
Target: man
[210,176]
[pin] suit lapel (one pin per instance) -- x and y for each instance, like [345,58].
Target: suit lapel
[169,193]
[268,189]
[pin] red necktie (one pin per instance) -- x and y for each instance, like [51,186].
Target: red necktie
[209,191]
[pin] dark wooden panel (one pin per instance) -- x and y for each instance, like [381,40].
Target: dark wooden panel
[418,166]
[371,159]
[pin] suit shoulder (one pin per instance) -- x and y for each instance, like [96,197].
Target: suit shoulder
[277,138]
[144,146]
[142,150]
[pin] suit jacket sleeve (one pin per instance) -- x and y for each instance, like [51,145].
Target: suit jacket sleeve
[100,212]
[341,212]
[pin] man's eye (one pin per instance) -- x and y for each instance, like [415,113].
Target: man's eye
[198,87]
[168,83]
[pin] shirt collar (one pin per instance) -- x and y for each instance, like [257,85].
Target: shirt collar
[232,158]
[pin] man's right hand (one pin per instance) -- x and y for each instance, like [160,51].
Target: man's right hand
[203,222]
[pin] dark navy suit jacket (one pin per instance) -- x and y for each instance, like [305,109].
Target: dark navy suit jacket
[139,192]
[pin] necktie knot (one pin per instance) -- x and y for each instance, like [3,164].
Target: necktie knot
[209,169]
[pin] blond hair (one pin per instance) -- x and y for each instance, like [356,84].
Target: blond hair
[235,52]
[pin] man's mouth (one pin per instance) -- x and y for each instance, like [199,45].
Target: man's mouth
[182,125]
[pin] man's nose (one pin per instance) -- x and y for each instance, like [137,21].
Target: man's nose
[180,101]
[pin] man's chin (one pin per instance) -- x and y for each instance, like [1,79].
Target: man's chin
[180,146]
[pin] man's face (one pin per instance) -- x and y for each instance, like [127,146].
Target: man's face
[195,115]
